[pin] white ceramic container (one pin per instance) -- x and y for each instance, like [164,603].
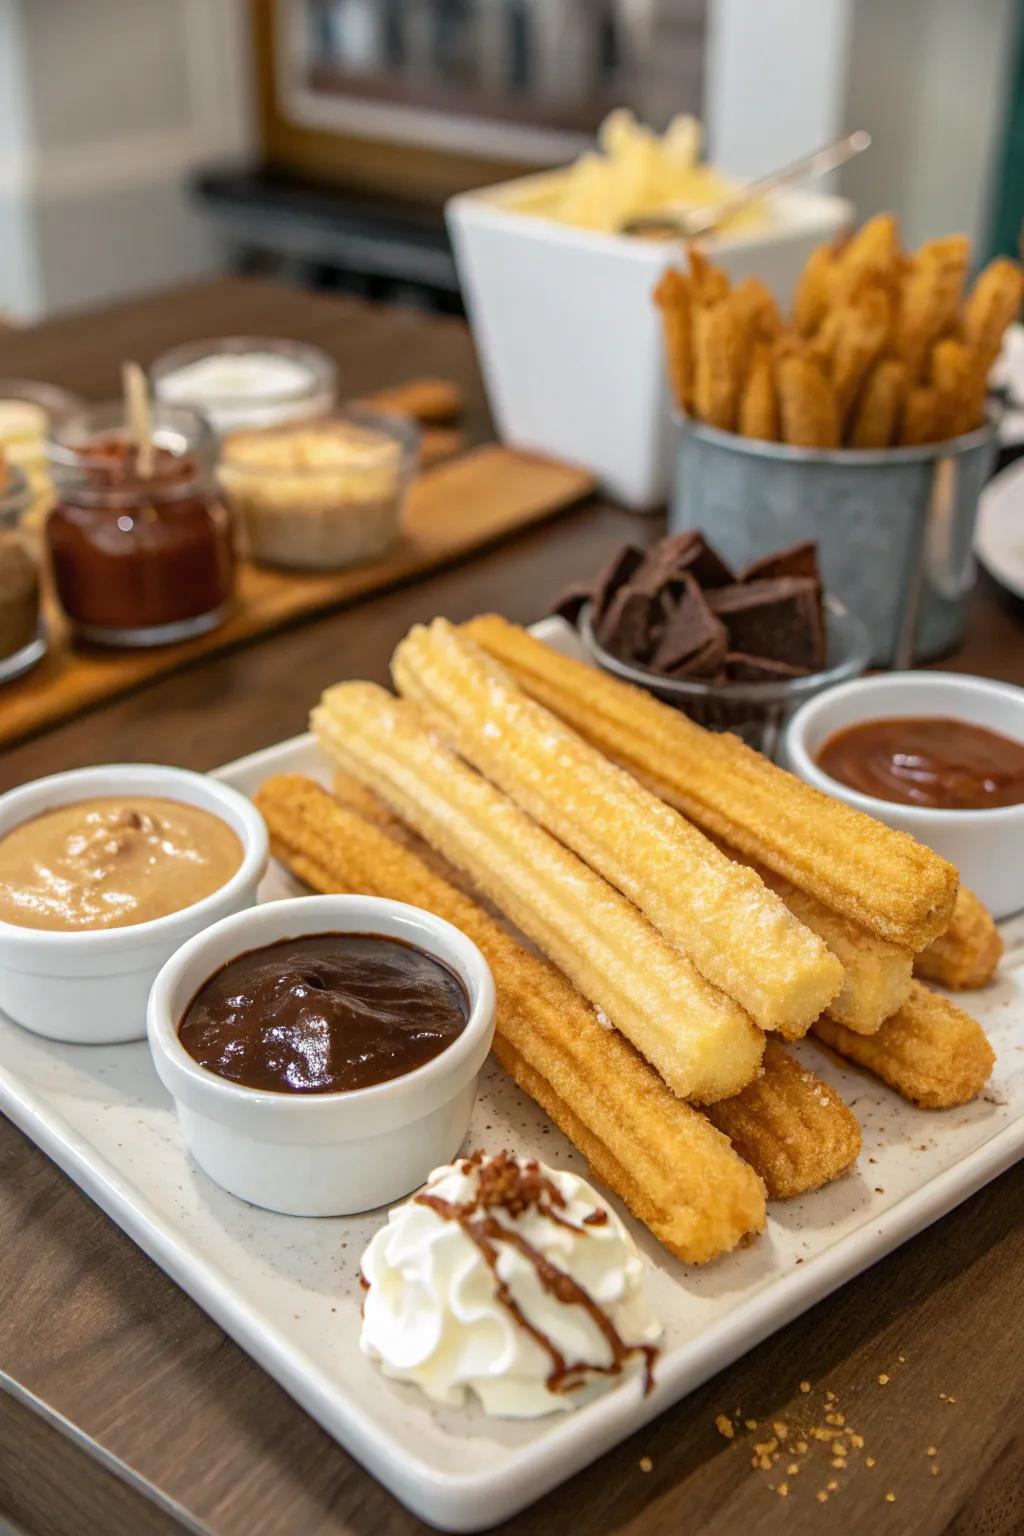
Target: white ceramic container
[91,988]
[986,846]
[323,1154]
[569,338]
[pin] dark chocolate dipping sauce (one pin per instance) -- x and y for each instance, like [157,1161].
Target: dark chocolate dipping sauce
[324,1013]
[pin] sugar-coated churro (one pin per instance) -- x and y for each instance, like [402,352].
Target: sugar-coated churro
[673,1169]
[702,1043]
[738,934]
[876,974]
[885,880]
[966,955]
[790,1125]
[930,1051]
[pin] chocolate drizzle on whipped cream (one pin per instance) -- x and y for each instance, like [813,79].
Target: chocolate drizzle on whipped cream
[505,1184]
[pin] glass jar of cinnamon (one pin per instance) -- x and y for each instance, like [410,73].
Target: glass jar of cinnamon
[139,543]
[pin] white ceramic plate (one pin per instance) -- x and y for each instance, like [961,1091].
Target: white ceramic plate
[285,1288]
[999,536]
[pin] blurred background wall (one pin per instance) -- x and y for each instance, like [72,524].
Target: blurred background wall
[143,142]
[106,109]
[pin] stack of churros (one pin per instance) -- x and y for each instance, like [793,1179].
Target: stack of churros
[883,349]
[886,906]
[661,909]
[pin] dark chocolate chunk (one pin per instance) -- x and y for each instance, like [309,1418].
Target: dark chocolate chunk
[571,601]
[798,560]
[706,665]
[687,553]
[758,669]
[777,619]
[615,574]
[708,567]
[625,629]
[690,628]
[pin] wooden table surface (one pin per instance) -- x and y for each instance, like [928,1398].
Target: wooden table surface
[126,1411]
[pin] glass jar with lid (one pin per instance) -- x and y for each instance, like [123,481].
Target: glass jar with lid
[22,638]
[141,554]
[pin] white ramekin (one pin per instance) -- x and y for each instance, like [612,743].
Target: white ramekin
[986,846]
[91,988]
[322,1154]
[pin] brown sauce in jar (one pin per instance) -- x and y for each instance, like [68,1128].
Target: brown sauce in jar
[943,764]
[324,1013]
[131,553]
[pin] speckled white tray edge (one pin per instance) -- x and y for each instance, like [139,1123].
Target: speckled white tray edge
[286,1289]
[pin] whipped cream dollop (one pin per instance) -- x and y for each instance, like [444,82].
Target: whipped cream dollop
[508,1279]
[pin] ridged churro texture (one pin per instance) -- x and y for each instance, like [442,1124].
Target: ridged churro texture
[738,934]
[884,880]
[876,974]
[930,1051]
[703,1044]
[676,1173]
[966,955]
[790,1126]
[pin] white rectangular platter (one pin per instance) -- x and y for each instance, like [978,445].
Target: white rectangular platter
[286,1289]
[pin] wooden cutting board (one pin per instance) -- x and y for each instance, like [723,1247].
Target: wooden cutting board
[458,506]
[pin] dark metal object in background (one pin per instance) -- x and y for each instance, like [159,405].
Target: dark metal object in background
[325,237]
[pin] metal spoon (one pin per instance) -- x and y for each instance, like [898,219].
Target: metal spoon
[694,222]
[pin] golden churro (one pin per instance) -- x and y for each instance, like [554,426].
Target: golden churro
[701,1042]
[863,328]
[790,1126]
[878,412]
[884,880]
[813,289]
[808,406]
[928,299]
[870,256]
[930,1051]
[676,1173]
[992,304]
[966,955]
[718,347]
[756,309]
[738,934]
[923,420]
[876,974]
[881,348]
[759,399]
[672,296]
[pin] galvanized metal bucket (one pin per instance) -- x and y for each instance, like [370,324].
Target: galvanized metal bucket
[895,527]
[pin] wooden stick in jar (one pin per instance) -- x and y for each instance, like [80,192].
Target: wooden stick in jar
[140,417]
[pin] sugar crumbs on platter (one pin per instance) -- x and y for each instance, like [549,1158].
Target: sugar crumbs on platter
[831,1442]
